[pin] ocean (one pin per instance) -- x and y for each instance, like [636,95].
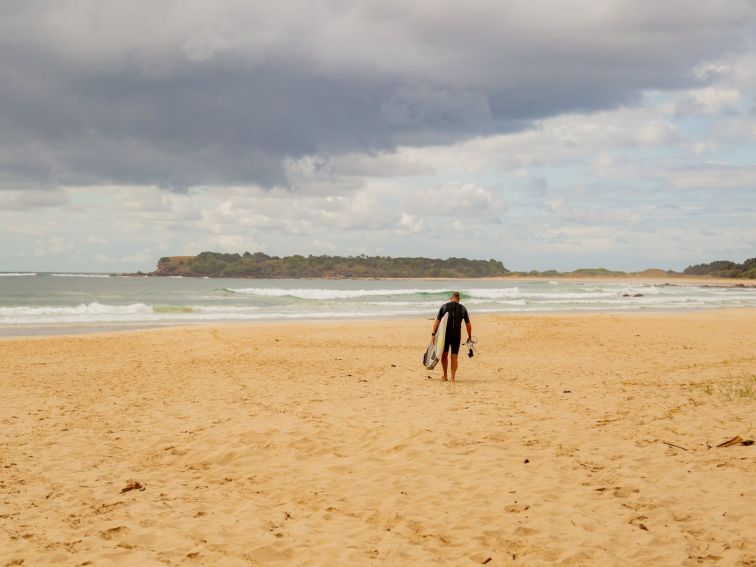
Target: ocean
[66,303]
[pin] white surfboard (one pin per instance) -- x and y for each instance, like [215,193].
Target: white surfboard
[435,349]
[441,336]
[429,358]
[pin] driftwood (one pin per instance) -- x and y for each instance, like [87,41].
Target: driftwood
[737,440]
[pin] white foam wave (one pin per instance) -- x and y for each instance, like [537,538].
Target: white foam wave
[16,274]
[494,293]
[225,308]
[135,312]
[83,313]
[98,313]
[471,293]
[80,275]
[430,304]
[325,294]
[496,302]
[516,293]
[645,290]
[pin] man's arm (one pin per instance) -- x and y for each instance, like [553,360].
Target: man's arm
[469,330]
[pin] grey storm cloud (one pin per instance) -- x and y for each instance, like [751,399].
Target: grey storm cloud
[190,92]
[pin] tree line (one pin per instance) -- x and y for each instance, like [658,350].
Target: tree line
[260,265]
[724,269]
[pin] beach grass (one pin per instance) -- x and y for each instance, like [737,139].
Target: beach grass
[733,388]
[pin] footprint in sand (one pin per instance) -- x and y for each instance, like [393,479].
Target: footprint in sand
[113,532]
[516,508]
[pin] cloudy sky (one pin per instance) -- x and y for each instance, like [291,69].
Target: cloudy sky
[546,134]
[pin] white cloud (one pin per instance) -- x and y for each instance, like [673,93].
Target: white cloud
[699,148]
[566,139]
[711,100]
[33,199]
[228,243]
[143,257]
[667,180]
[714,176]
[456,199]
[409,224]
[102,259]
[655,133]
[95,241]
[51,246]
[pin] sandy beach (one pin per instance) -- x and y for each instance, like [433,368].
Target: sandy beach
[569,440]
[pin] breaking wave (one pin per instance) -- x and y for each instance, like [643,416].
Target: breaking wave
[326,294]
[16,274]
[134,313]
[80,275]
[98,313]
[507,293]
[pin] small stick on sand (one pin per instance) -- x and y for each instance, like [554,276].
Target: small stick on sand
[132,485]
[673,445]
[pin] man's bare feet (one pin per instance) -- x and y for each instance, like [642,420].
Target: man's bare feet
[444,379]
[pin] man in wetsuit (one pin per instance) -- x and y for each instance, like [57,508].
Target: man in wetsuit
[457,313]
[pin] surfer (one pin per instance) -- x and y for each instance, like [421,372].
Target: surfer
[457,312]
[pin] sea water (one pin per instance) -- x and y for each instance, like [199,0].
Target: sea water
[52,303]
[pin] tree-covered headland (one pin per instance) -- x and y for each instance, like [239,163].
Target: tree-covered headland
[261,265]
[724,269]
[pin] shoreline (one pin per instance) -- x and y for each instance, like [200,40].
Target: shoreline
[389,320]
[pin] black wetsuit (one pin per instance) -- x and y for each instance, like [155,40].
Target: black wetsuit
[457,313]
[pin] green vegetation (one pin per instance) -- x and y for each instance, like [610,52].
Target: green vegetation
[742,387]
[724,269]
[581,273]
[733,388]
[718,269]
[261,265]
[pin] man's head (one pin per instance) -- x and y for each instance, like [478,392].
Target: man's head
[454,296]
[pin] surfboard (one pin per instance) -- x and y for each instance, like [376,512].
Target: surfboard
[441,336]
[435,349]
[429,358]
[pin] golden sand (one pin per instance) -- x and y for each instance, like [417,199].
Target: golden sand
[569,440]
